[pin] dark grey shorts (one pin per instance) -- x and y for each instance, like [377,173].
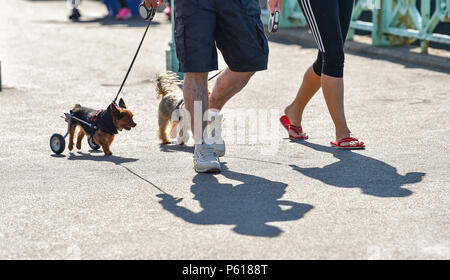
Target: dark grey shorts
[234,26]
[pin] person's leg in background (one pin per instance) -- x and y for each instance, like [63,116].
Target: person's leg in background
[125,11]
[75,13]
[168,9]
[123,3]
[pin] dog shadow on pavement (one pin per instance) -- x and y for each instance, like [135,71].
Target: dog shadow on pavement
[354,170]
[87,156]
[248,206]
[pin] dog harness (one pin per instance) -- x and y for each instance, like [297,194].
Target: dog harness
[103,120]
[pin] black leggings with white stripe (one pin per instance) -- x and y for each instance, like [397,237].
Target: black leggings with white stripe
[329,21]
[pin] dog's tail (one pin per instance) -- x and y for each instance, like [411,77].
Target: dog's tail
[165,82]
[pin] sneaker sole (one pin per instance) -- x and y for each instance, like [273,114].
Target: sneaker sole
[207,169]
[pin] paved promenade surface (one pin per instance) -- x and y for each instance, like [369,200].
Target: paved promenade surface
[286,200]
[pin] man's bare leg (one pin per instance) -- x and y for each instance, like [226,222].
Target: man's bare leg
[228,84]
[195,93]
[195,90]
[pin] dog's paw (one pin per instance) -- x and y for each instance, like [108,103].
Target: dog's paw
[79,146]
[108,153]
[70,147]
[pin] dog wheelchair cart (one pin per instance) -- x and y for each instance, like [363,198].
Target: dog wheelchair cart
[58,142]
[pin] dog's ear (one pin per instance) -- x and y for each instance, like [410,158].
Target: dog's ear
[122,104]
[114,110]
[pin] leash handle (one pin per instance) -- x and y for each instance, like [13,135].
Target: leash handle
[145,12]
[274,21]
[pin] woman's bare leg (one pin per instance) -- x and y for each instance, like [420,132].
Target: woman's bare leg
[333,91]
[310,85]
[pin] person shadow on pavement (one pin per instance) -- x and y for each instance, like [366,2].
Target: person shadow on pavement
[354,170]
[248,206]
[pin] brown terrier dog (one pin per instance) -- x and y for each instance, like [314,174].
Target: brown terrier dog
[106,124]
[170,108]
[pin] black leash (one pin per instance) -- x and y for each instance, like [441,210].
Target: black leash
[132,62]
[218,73]
[146,14]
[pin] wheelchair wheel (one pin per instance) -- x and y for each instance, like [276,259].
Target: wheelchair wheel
[92,144]
[57,143]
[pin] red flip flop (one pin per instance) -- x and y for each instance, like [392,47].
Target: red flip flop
[339,145]
[298,129]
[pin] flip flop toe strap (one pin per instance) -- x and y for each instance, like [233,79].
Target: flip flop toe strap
[296,129]
[350,139]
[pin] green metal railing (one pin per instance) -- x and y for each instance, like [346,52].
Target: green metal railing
[401,22]
[394,22]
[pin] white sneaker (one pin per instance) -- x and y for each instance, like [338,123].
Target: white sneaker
[205,160]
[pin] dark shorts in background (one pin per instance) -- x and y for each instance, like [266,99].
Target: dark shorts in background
[234,26]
